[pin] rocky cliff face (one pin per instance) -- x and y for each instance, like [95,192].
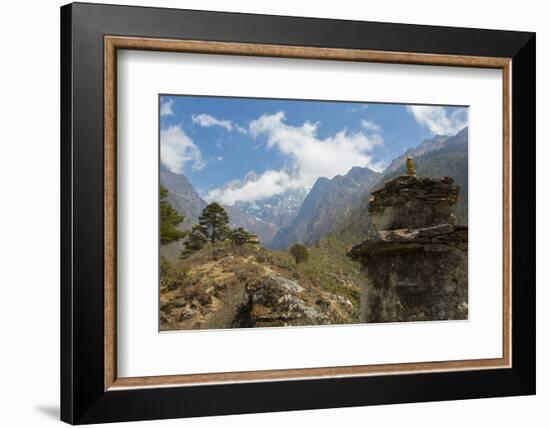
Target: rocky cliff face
[416,260]
[326,203]
[182,195]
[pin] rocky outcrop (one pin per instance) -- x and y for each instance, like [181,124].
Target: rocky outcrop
[228,287]
[278,301]
[416,260]
[269,301]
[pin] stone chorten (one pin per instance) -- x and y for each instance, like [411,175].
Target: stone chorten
[416,263]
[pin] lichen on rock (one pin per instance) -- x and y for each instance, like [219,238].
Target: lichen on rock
[276,300]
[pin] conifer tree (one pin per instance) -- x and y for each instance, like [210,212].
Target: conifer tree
[215,222]
[241,237]
[169,219]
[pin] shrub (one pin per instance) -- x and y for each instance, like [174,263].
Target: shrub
[172,276]
[299,252]
[196,239]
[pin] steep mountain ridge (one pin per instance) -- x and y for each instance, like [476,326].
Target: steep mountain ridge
[436,157]
[325,203]
[182,195]
[439,143]
[439,157]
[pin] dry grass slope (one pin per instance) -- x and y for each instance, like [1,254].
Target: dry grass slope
[222,286]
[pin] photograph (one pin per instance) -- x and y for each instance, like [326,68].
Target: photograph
[293,213]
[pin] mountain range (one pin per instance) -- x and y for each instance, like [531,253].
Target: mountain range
[438,157]
[332,206]
[325,203]
[278,210]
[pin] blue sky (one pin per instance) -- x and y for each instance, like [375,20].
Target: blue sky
[287,143]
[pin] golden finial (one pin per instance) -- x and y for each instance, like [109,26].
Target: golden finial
[410,167]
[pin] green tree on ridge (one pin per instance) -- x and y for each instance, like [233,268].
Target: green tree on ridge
[169,219]
[214,222]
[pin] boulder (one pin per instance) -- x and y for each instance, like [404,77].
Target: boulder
[276,301]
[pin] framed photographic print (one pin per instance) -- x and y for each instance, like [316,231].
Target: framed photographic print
[265,213]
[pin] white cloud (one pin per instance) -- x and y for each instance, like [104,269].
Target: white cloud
[240,129]
[219,158]
[206,120]
[437,119]
[166,108]
[310,157]
[371,126]
[268,184]
[177,150]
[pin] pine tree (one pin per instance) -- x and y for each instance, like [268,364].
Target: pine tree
[299,252]
[215,222]
[240,237]
[196,239]
[169,219]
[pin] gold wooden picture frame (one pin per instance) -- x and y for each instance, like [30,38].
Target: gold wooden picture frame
[114,43]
